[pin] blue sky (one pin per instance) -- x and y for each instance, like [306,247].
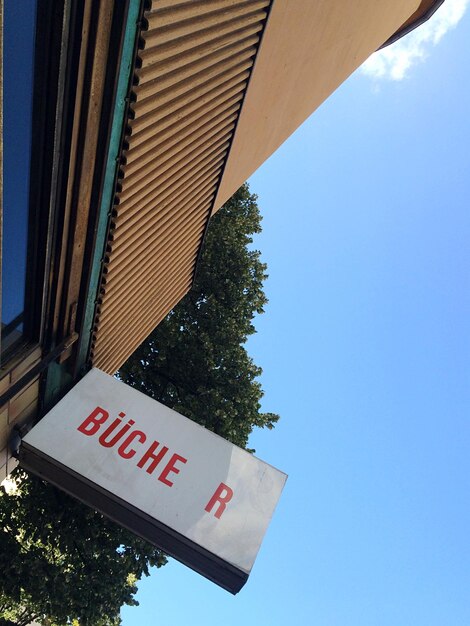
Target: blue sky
[365,347]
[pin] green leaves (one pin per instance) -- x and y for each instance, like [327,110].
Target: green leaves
[195,361]
[63,563]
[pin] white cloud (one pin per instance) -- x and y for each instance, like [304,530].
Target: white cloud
[393,62]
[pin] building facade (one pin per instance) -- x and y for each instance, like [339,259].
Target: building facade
[126,126]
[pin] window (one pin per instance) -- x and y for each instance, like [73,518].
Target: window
[18,63]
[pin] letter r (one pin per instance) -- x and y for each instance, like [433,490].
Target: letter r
[93,422]
[223,494]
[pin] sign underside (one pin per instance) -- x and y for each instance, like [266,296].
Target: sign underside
[198,497]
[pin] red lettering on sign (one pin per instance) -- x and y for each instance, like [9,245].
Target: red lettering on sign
[171,468]
[128,454]
[150,455]
[223,494]
[93,422]
[120,433]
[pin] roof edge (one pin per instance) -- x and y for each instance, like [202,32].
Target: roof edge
[421,15]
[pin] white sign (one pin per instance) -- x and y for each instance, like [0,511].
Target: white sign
[168,479]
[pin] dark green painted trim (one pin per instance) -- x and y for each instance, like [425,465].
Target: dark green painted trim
[57,383]
[59,379]
[120,108]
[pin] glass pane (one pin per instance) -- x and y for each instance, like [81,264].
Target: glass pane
[19,28]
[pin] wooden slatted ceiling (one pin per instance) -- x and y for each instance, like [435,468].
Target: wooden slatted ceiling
[190,78]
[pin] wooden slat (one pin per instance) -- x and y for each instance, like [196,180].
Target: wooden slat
[180,118]
[166,60]
[180,67]
[206,128]
[192,29]
[127,245]
[129,271]
[189,83]
[185,45]
[181,250]
[172,281]
[172,99]
[135,212]
[182,163]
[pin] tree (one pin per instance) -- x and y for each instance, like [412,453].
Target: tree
[60,560]
[195,361]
